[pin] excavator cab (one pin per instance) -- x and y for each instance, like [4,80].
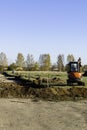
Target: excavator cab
[73,67]
[74,74]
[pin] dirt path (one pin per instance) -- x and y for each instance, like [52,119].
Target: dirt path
[25,114]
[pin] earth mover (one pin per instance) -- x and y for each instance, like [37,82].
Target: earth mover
[74,74]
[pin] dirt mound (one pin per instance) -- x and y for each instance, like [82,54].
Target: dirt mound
[59,93]
[22,88]
[8,90]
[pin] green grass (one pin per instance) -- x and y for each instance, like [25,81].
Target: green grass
[44,74]
[48,74]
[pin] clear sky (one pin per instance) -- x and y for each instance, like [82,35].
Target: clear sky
[43,26]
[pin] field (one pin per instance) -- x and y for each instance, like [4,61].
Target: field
[24,106]
[50,78]
[43,85]
[27,114]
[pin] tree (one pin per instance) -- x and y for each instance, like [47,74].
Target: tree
[36,66]
[30,62]
[85,68]
[3,60]
[45,62]
[54,67]
[20,60]
[70,58]
[60,62]
[12,66]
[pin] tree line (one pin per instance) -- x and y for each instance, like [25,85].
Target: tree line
[29,64]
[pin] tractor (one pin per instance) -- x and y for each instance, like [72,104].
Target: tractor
[74,74]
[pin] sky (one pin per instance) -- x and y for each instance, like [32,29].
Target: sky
[43,26]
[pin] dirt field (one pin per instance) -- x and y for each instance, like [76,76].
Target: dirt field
[38,114]
[25,114]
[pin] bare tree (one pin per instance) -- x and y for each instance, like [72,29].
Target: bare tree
[45,62]
[60,62]
[30,62]
[3,60]
[70,58]
[20,60]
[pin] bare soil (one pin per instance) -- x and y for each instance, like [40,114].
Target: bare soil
[26,108]
[27,114]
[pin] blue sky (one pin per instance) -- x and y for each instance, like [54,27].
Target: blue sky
[43,26]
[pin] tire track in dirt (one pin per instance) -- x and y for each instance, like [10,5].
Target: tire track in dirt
[25,114]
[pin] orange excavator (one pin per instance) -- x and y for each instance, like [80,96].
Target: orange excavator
[74,74]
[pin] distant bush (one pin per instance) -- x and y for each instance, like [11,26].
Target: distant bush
[12,66]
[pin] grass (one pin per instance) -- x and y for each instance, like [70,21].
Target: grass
[44,74]
[39,73]
[57,92]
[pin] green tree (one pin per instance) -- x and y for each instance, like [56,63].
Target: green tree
[12,66]
[84,68]
[36,66]
[54,67]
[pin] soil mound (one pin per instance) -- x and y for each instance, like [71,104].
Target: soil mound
[8,90]
[21,89]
